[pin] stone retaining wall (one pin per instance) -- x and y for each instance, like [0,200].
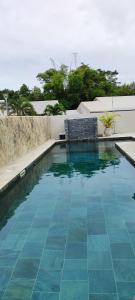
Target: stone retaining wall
[81,128]
[18,135]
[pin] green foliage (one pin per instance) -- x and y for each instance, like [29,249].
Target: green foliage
[24,91]
[70,87]
[108,119]
[21,107]
[57,109]
[54,83]
[36,94]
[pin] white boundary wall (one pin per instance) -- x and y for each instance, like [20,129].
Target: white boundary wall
[56,125]
[124,123]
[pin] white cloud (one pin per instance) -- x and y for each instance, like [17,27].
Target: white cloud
[32,31]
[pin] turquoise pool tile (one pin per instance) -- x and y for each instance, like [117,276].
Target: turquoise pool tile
[14,242]
[95,227]
[115,222]
[56,229]
[122,250]
[5,274]
[93,199]
[57,219]
[61,217]
[4,233]
[98,243]
[131,227]
[101,281]
[64,212]
[80,212]
[46,211]
[95,204]
[126,290]
[27,207]
[48,281]
[75,275]
[77,233]
[74,290]
[78,222]
[37,235]
[103,297]
[27,216]
[21,224]
[52,260]
[76,250]
[75,264]
[110,209]
[96,218]
[124,270]
[26,268]
[99,260]
[132,239]
[41,222]
[32,249]
[118,235]
[45,296]
[19,289]
[78,202]
[1,293]
[8,258]
[8,252]
[55,243]
[95,214]
[21,227]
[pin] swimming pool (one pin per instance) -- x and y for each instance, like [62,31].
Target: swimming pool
[68,228]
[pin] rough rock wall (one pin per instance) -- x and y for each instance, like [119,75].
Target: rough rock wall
[18,135]
[81,128]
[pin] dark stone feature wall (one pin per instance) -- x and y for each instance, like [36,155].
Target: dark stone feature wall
[81,129]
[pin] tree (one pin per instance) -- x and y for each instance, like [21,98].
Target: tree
[57,109]
[36,94]
[21,107]
[24,91]
[85,83]
[71,87]
[1,95]
[54,83]
[12,95]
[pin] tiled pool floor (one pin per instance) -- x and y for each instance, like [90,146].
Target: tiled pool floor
[70,229]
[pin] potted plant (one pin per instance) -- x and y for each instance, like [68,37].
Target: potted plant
[108,121]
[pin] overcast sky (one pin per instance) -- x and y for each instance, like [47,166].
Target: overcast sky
[32,31]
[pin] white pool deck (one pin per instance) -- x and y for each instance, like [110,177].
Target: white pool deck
[128,149]
[10,172]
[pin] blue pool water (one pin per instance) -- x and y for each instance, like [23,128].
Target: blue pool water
[68,228]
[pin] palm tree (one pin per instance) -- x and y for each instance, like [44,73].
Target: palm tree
[57,109]
[22,107]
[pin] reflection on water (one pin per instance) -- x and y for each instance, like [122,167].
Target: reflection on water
[62,160]
[84,158]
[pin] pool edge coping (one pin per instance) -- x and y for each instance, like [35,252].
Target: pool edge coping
[127,153]
[16,177]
